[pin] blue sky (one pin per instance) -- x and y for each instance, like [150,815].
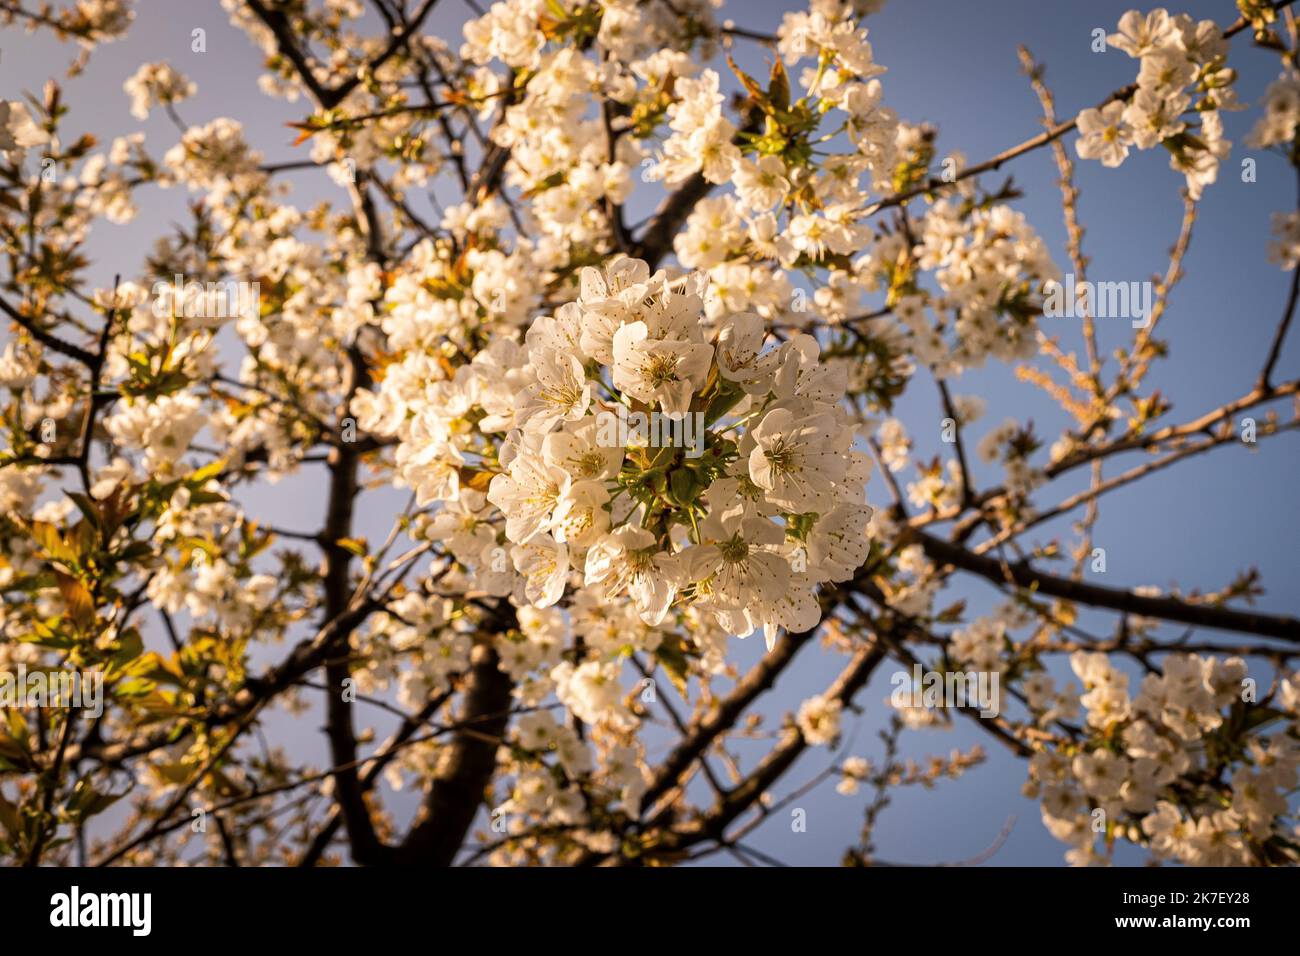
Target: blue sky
[952,64]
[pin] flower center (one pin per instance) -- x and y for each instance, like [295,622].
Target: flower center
[735,550]
[781,457]
[661,369]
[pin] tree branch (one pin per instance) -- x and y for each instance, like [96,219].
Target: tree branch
[1165,608]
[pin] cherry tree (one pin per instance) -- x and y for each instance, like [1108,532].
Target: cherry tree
[622,448]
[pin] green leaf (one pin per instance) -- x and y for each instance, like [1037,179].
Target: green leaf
[47,536]
[729,395]
[85,537]
[87,507]
[750,84]
[778,86]
[952,613]
[1256,717]
[174,772]
[672,657]
[210,470]
[86,801]
[355,546]
[550,182]
[129,646]
[9,818]
[136,551]
[201,497]
[81,606]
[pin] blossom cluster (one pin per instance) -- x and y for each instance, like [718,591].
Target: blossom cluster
[767,507]
[1150,767]
[156,84]
[1277,128]
[1182,86]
